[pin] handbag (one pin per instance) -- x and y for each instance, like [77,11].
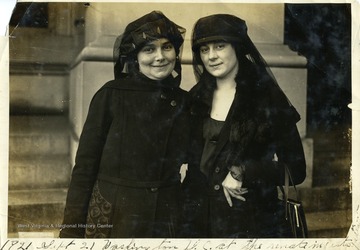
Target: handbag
[293,210]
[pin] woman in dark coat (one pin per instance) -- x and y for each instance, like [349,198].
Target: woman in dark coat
[244,131]
[126,181]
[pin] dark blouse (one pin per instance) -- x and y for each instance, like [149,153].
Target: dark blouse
[211,132]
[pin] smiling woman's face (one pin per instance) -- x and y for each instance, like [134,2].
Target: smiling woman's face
[219,59]
[157,59]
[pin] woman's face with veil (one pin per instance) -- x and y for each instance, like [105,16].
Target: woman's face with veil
[219,59]
[157,59]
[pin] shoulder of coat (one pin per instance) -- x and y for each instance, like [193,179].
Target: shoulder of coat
[117,84]
[127,84]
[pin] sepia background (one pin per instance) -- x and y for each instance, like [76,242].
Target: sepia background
[61,53]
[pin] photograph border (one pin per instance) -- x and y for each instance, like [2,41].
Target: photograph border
[352,241]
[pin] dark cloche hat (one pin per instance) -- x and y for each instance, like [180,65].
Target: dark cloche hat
[219,27]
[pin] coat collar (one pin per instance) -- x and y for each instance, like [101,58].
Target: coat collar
[139,82]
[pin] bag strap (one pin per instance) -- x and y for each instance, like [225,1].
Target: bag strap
[285,190]
[287,178]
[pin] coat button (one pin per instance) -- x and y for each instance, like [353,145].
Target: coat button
[213,141]
[173,103]
[162,96]
[154,189]
[217,187]
[217,170]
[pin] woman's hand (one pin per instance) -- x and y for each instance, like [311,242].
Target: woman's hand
[232,187]
[182,172]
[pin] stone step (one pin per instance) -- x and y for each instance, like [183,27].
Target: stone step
[39,93]
[329,145]
[37,171]
[319,199]
[338,138]
[36,210]
[329,224]
[331,170]
[332,157]
[38,135]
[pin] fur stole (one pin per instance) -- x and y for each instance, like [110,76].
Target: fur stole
[257,115]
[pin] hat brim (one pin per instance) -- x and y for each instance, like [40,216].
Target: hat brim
[201,41]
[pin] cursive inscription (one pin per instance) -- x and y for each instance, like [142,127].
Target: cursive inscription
[182,244]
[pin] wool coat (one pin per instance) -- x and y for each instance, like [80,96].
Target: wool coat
[126,182]
[260,127]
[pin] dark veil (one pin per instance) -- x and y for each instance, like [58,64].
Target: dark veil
[229,28]
[260,109]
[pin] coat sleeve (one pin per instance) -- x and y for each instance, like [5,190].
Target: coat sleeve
[87,161]
[194,187]
[290,153]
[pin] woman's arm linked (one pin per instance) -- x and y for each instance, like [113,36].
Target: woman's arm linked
[288,153]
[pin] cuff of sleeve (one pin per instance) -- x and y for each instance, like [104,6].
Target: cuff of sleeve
[237,172]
